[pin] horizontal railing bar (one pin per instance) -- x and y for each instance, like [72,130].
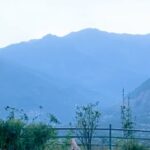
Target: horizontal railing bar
[104,129]
[103,137]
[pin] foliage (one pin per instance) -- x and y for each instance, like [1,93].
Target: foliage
[67,140]
[87,120]
[16,133]
[35,135]
[130,145]
[14,112]
[53,144]
[11,131]
[126,118]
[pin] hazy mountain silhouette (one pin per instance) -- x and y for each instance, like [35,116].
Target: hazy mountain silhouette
[85,66]
[140,101]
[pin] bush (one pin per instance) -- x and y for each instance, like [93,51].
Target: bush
[11,131]
[17,133]
[130,145]
[36,135]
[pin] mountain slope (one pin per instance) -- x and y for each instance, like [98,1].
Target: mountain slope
[25,88]
[84,66]
[140,100]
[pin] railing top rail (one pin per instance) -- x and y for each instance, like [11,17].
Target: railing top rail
[107,137]
[104,129]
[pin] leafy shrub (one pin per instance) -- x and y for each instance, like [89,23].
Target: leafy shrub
[130,145]
[35,135]
[11,131]
[17,133]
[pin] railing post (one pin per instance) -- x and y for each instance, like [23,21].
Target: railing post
[110,136]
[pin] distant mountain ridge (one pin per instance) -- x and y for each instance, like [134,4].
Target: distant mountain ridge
[81,67]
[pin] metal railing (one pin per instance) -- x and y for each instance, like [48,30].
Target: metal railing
[107,137]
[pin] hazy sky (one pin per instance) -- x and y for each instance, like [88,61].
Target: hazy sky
[27,19]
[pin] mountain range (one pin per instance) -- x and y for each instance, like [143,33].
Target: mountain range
[85,66]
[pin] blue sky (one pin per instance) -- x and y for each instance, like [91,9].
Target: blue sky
[21,20]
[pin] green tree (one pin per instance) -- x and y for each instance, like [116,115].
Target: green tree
[11,131]
[17,133]
[126,118]
[130,145]
[87,120]
[127,122]
[36,135]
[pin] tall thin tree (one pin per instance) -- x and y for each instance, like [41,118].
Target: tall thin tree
[126,117]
